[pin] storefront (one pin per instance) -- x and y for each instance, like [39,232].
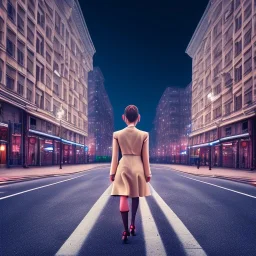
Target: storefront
[3,144]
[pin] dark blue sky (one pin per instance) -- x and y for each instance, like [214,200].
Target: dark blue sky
[140,48]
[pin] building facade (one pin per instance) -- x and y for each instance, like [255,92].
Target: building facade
[223,49]
[45,55]
[171,126]
[101,119]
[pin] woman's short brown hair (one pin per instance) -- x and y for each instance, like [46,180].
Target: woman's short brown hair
[131,112]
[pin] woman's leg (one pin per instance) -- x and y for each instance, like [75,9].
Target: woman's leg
[124,209]
[135,204]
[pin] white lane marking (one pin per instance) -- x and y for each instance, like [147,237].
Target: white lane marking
[219,186]
[153,243]
[74,243]
[29,190]
[189,243]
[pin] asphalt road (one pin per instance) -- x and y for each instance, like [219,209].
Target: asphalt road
[74,215]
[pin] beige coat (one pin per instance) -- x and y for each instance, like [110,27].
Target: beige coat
[133,168]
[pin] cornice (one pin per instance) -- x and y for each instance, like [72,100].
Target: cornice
[199,32]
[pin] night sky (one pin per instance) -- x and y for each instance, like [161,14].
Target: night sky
[140,48]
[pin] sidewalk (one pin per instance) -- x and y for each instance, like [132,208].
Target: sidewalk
[244,176]
[12,175]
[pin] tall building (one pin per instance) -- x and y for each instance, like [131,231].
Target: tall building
[101,118]
[45,55]
[223,49]
[171,125]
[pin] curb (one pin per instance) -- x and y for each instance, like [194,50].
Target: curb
[247,181]
[28,178]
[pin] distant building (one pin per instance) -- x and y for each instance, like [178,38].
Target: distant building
[45,55]
[101,118]
[171,126]
[223,49]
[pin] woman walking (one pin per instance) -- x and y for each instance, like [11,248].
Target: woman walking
[131,174]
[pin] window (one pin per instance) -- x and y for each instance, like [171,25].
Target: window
[48,79]
[238,73]
[65,94]
[245,126]
[69,117]
[248,96]
[40,17]
[57,22]
[11,10]
[238,47]
[228,57]
[217,51]
[39,99]
[217,112]
[228,131]
[20,19]
[75,103]
[227,108]
[75,85]
[67,38]
[216,70]
[55,66]
[74,118]
[238,23]
[39,72]
[229,11]
[238,102]
[32,123]
[10,77]
[21,52]
[10,43]
[48,54]
[248,11]
[21,83]
[40,45]
[248,62]
[208,118]
[229,34]
[217,12]
[31,7]
[48,103]
[48,32]
[30,62]
[2,29]
[237,3]
[30,31]
[62,29]
[56,88]
[228,80]
[1,70]
[217,90]
[247,37]
[30,89]
[217,30]
[70,100]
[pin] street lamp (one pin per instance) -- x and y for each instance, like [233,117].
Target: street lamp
[59,116]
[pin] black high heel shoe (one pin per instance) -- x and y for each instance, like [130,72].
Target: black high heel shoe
[132,230]
[125,235]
